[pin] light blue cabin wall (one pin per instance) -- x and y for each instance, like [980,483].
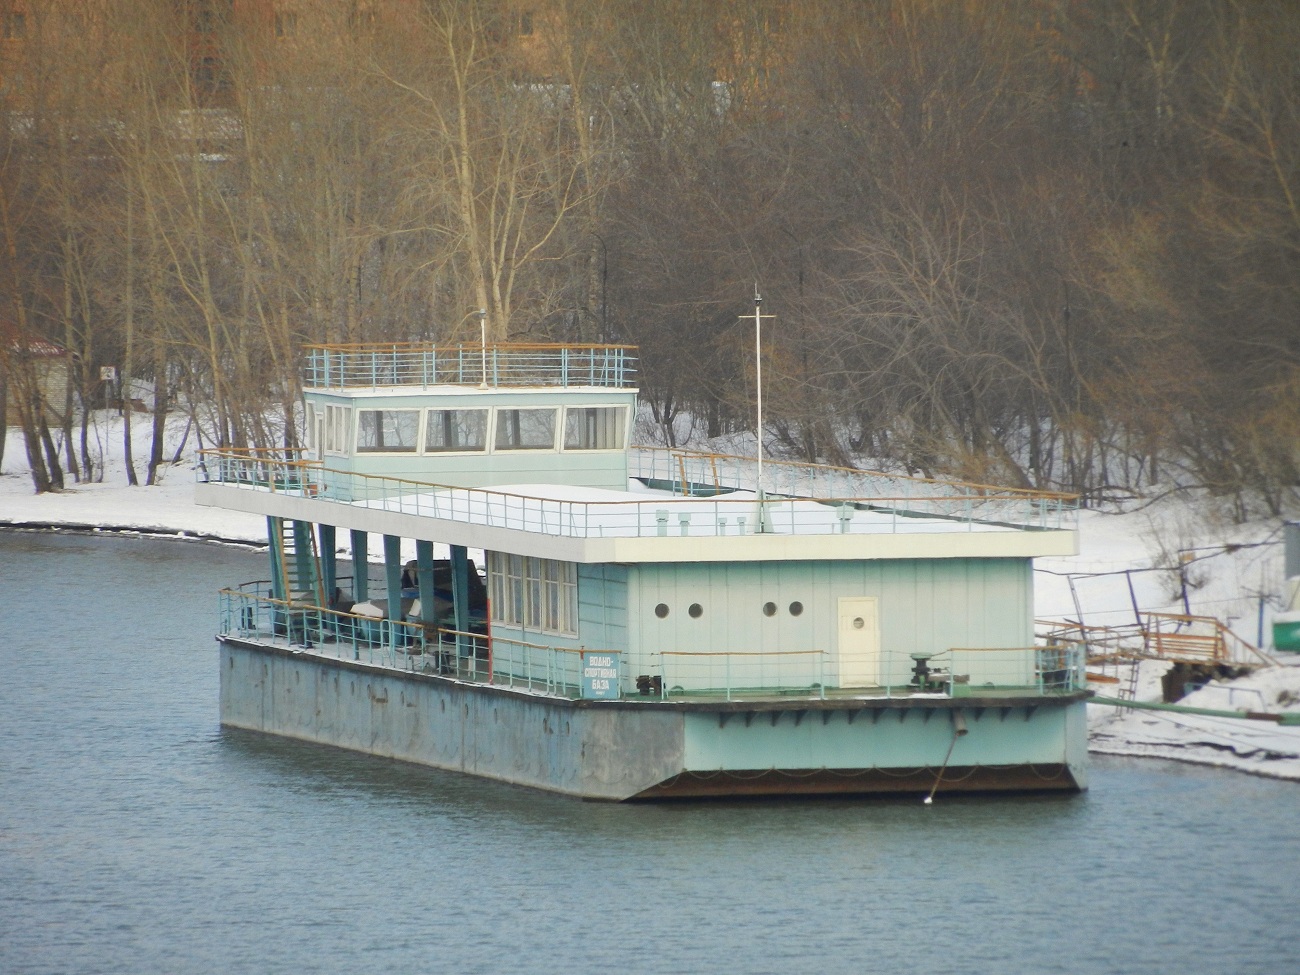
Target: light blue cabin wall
[602,606]
[595,468]
[927,605]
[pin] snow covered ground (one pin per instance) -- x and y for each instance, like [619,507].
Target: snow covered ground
[1179,554]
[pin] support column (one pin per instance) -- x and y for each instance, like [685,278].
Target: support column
[360,566]
[304,572]
[329,570]
[460,597]
[424,564]
[428,613]
[275,542]
[393,581]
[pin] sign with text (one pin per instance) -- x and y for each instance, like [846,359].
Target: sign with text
[599,675]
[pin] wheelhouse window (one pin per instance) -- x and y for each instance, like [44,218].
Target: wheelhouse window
[387,431]
[532,593]
[594,427]
[337,429]
[449,431]
[525,429]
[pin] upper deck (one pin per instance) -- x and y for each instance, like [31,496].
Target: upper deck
[376,366]
[677,499]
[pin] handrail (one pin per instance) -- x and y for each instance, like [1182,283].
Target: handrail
[985,490]
[431,346]
[635,515]
[1190,646]
[507,662]
[403,645]
[373,365]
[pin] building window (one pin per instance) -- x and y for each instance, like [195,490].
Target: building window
[449,431]
[15,26]
[286,23]
[525,430]
[594,427]
[338,429]
[526,24]
[387,431]
[532,593]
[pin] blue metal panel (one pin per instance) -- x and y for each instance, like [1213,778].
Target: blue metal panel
[895,738]
[328,560]
[393,576]
[360,566]
[602,606]
[925,606]
[424,566]
[460,592]
[274,538]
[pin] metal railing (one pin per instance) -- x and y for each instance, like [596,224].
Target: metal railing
[638,516]
[505,662]
[955,672]
[730,673]
[1197,639]
[424,364]
[1164,636]
[248,612]
[691,473]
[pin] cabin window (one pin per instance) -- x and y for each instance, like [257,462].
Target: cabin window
[594,427]
[338,427]
[525,429]
[532,593]
[451,431]
[387,431]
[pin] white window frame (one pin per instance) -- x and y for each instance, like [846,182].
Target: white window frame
[415,445]
[539,595]
[500,411]
[622,428]
[427,422]
[337,430]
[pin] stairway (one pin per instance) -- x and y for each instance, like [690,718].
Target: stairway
[298,563]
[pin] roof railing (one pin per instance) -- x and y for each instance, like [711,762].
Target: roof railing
[424,364]
[643,515]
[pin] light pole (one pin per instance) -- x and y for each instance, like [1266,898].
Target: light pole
[762,525]
[482,331]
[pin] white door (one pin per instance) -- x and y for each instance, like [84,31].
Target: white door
[859,642]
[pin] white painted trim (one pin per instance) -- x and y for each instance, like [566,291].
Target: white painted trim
[696,548]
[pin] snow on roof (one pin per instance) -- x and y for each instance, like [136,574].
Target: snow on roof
[593,512]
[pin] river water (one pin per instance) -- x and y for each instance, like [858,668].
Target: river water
[136,836]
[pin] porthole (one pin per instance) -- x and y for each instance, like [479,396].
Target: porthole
[696,611]
[662,610]
[858,623]
[769,609]
[796,608]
